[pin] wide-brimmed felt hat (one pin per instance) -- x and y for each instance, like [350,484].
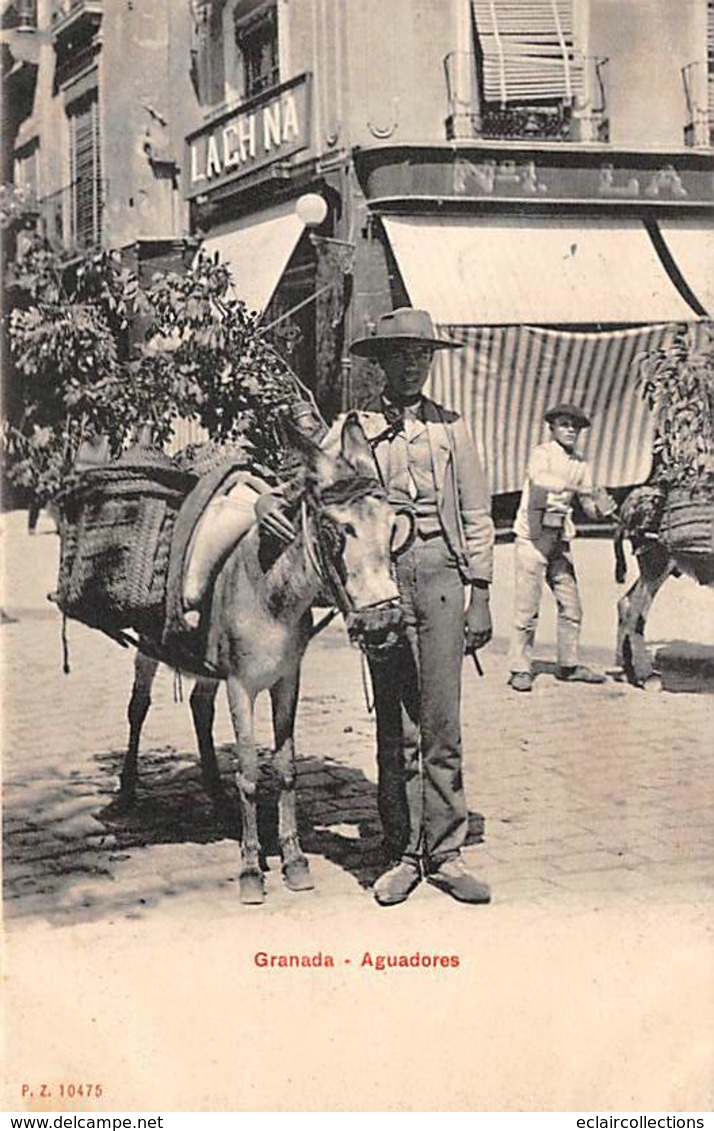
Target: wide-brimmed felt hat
[571,411]
[404,326]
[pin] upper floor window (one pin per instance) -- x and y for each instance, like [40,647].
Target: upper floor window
[532,76]
[85,170]
[257,60]
[527,50]
[699,91]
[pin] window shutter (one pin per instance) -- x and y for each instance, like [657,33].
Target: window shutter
[528,50]
[86,171]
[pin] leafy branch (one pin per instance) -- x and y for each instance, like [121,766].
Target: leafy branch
[99,353]
[677,382]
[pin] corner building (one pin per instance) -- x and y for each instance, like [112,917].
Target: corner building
[536,173]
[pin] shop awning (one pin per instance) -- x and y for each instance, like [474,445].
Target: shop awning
[483,271]
[504,378]
[257,250]
[691,246]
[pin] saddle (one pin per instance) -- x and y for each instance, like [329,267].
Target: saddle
[208,526]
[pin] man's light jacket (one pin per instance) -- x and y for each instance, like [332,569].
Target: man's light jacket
[462,495]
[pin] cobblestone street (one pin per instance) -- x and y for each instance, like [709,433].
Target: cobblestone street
[578,789]
[582,798]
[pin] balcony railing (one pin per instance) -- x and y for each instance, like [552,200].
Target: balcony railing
[699,93]
[67,14]
[531,116]
[70,221]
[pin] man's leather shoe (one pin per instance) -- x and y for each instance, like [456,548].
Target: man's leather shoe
[578,674]
[521,681]
[398,883]
[454,878]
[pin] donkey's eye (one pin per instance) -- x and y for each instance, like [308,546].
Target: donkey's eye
[349,529]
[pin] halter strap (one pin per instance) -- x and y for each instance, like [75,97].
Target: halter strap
[347,490]
[321,561]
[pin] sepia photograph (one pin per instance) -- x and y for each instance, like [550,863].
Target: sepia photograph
[357,557]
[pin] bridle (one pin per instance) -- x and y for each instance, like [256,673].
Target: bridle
[324,549]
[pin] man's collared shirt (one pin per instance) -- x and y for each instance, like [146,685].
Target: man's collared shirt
[411,469]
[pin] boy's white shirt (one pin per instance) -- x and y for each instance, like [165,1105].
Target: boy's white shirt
[569,468]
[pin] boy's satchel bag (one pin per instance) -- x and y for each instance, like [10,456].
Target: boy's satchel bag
[545,526]
[116,528]
[537,500]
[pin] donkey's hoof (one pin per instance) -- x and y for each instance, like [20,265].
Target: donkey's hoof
[125,799]
[653,682]
[251,887]
[297,875]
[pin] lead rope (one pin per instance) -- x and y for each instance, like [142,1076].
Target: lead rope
[178,687]
[323,623]
[367,685]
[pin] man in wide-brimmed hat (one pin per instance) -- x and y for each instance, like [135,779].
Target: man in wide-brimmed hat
[544,528]
[428,464]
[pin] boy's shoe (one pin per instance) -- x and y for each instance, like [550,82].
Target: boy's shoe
[521,681]
[579,674]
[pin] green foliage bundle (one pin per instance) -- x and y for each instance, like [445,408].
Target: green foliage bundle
[97,353]
[223,368]
[677,381]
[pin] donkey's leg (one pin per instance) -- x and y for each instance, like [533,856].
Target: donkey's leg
[203,710]
[252,887]
[655,567]
[284,696]
[144,672]
[620,560]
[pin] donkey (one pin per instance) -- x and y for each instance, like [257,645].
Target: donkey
[640,518]
[260,625]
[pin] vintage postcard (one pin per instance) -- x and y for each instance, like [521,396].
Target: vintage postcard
[394,319]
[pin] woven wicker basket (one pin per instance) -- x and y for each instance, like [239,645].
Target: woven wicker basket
[116,529]
[688,523]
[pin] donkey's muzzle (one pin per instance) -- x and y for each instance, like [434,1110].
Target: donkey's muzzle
[376,628]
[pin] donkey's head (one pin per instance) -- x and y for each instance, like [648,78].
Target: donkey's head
[353,533]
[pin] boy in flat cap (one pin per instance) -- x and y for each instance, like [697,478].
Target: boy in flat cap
[543,529]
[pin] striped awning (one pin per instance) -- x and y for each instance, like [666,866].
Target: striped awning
[505,378]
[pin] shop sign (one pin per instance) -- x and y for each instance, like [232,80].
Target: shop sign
[266,129]
[684,179]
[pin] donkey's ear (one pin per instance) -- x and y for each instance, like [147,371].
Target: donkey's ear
[356,449]
[317,462]
[294,437]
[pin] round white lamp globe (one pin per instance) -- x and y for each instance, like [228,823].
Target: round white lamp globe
[311,208]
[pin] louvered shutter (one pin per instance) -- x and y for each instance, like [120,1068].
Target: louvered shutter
[86,172]
[528,50]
